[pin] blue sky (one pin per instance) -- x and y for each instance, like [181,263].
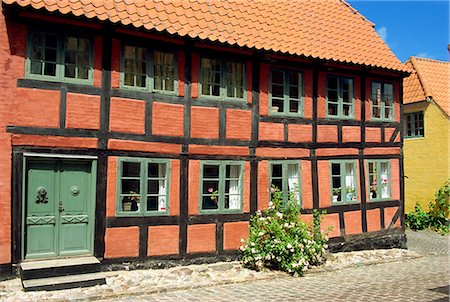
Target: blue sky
[410,28]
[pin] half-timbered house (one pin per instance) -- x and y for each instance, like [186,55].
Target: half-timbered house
[139,130]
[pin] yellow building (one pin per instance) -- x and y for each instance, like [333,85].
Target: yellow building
[426,130]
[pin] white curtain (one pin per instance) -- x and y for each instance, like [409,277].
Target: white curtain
[235,191]
[162,187]
[293,184]
[349,179]
[384,180]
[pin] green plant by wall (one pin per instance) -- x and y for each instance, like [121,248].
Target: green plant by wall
[279,240]
[436,217]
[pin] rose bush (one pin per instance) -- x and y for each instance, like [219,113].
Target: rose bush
[278,239]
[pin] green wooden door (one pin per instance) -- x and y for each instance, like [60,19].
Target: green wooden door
[59,206]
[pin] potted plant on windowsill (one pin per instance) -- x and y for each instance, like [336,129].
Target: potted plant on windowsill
[373,190]
[350,196]
[336,194]
[215,195]
[131,203]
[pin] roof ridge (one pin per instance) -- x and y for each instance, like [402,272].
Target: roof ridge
[428,59]
[356,12]
[426,88]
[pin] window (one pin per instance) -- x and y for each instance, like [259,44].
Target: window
[221,187]
[414,125]
[285,176]
[220,79]
[382,101]
[340,97]
[286,92]
[143,186]
[59,58]
[148,70]
[343,182]
[379,180]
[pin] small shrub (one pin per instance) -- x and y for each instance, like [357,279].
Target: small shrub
[279,240]
[436,217]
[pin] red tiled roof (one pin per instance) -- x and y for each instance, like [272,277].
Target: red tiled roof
[430,78]
[322,29]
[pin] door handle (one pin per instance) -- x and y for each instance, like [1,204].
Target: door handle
[60,207]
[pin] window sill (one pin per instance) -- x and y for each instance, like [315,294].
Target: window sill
[88,82]
[147,90]
[350,118]
[343,203]
[282,114]
[220,212]
[221,99]
[380,200]
[126,214]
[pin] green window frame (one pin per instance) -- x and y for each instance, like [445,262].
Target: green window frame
[221,187]
[143,179]
[343,182]
[59,57]
[286,92]
[286,177]
[382,101]
[146,69]
[379,181]
[414,124]
[223,80]
[340,97]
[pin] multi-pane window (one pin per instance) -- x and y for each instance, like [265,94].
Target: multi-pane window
[343,182]
[222,79]
[414,124]
[340,97]
[143,186]
[148,70]
[59,57]
[285,176]
[221,187]
[286,92]
[382,101]
[379,180]
[134,66]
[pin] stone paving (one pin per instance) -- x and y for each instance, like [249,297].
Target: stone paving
[400,275]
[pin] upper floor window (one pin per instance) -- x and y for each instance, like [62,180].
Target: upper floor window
[340,97]
[222,79]
[382,101]
[221,187]
[379,180]
[148,70]
[286,92]
[414,125]
[142,186]
[343,182]
[285,176]
[59,57]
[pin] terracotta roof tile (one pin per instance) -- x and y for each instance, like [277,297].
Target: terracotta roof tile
[319,29]
[430,78]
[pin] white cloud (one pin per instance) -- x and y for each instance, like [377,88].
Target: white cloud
[424,55]
[383,33]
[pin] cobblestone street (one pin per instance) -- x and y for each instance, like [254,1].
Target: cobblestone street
[418,274]
[421,279]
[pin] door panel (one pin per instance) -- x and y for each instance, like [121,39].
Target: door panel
[59,223]
[75,194]
[41,205]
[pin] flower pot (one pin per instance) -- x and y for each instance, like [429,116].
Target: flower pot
[335,198]
[126,206]
[275,108]
[349,196]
